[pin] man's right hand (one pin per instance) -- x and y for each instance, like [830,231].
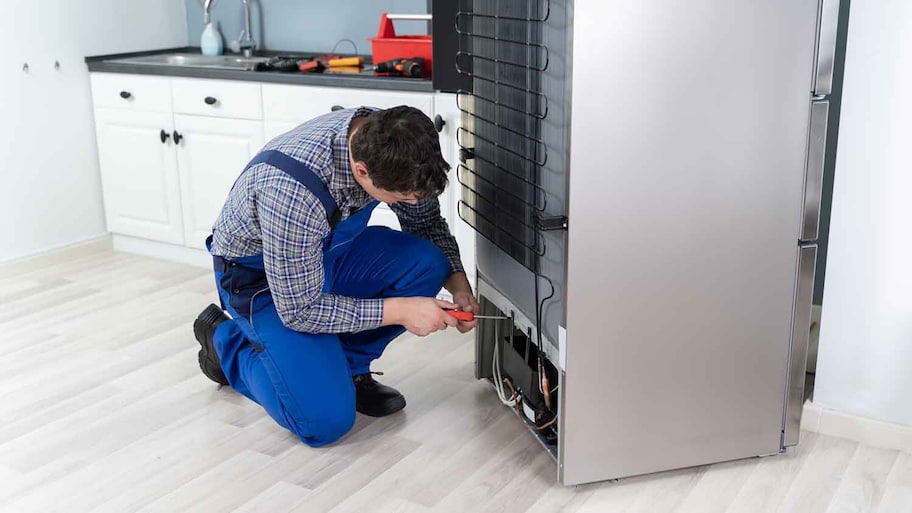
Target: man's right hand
[420,315]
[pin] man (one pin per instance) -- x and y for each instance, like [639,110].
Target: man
[314,294]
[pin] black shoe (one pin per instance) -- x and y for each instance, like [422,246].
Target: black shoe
[203,329]
[374,399]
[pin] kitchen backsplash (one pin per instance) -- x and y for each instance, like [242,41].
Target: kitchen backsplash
[306,25]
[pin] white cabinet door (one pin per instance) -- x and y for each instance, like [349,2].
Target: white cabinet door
[297,104]
[139,174]
[445,107]
[211,154]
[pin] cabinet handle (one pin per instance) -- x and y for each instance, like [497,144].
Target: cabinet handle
[163,136]
[125,95]
[439,123]
[336,107]
[210,100]
[177,137]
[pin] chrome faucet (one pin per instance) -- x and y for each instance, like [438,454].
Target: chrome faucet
[245,41]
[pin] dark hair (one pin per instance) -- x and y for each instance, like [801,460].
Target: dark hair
[401,150]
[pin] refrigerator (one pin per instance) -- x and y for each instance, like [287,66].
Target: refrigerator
[645,179]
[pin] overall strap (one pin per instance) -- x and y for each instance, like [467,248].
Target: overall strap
[305,176]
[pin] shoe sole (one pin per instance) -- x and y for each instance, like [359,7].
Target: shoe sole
[206,319]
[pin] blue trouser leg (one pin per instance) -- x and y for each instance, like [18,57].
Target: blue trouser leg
[303,380]
[300,379]
[385,263]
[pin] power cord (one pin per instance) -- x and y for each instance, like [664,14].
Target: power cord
[498,378]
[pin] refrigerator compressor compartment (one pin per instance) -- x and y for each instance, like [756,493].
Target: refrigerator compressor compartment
[531,374]
[528,380]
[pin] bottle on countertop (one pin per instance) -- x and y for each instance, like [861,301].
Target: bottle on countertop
[211,41]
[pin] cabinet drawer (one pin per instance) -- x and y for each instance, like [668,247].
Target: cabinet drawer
[133,92]
[296,104]
[217,98]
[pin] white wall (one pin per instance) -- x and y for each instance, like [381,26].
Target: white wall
[50,192]
[865,357]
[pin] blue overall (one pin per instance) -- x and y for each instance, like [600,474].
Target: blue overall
[304,380]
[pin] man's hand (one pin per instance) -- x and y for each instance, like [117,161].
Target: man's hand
[459,287]
[420,315]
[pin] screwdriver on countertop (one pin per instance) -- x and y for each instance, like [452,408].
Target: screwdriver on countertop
[469,316]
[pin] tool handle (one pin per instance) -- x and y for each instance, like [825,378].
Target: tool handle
[346,61]
[461,316]
[414,17]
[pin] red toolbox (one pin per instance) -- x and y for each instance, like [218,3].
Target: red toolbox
[388,46]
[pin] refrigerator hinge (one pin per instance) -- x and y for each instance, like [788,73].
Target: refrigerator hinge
[551,223]
[466,154]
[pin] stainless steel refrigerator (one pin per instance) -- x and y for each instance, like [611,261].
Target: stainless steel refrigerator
[645,179]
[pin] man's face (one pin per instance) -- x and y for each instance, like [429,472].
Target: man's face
[388,197]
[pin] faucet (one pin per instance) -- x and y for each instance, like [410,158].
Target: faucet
[245,41]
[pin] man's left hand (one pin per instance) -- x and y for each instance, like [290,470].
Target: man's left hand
[459,287]
[467,303]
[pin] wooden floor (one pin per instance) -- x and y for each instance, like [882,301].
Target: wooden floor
[103,408]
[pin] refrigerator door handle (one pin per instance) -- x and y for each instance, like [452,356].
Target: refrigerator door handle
[828,22]
[801,331]
[813,179]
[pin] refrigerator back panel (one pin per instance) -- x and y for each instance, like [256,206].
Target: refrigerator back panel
[690,128]
[516,134]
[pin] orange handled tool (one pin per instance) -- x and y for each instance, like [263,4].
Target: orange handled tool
[346,61]
[469,316]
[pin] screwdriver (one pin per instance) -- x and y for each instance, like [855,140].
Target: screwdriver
[469,316]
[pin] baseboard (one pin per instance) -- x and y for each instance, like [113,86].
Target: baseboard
[875,433]
[56,255]
[163,250]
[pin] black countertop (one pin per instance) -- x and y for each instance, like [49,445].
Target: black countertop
[364,80]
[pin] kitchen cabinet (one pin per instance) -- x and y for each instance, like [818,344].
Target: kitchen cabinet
[217,98]
[171,148]
[211,153]
[287,106]
[139,174]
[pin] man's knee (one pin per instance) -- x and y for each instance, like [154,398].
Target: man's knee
[438,264]
[327,429]
[432,266]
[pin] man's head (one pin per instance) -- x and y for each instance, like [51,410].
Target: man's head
[396,156]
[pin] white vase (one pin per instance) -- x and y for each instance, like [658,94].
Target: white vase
[211,41]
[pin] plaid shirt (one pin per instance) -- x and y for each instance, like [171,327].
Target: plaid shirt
[269,212]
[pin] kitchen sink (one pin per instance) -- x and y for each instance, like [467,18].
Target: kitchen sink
[195,60]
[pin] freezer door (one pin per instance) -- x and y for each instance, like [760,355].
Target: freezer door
[689,145]
[801,332]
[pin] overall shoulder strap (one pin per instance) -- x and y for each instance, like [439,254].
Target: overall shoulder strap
[304,175]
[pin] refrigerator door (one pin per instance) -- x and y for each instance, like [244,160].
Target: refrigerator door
[689,138]
[801,332]
[813,183]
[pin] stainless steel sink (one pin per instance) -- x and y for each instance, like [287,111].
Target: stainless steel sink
[192,60]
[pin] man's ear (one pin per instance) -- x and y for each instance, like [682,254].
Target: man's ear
[360,170]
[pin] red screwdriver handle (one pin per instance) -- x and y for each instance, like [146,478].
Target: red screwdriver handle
[462,316]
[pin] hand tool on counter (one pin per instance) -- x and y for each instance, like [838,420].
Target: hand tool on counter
[413,67]
[346,61]
[333,64]
[279,63]
[470,316]
[314,65]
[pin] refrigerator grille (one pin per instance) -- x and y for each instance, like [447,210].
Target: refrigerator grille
[502,150]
